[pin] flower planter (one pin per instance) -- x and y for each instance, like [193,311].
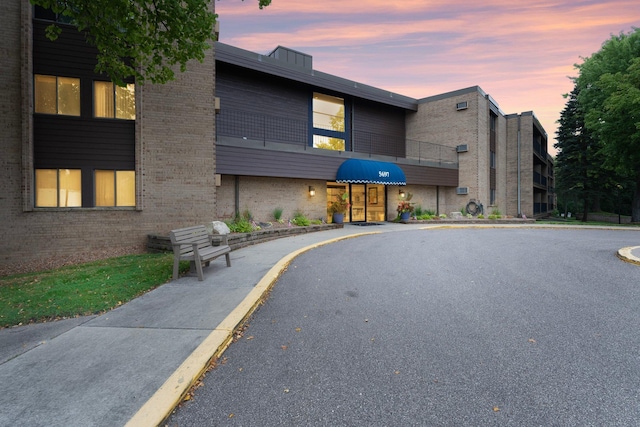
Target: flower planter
[338,218]
[405,216]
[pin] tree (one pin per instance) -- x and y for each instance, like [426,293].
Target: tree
[143,39]
[609,85]
[580,169]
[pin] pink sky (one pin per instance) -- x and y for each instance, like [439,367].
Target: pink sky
[520,53]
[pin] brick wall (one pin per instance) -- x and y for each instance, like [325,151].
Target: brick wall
[261,195]
[175,156]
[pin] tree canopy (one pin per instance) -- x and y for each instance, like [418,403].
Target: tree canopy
[608,96]
[143,39]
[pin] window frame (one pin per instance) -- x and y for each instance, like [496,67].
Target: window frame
[328,133]
[114,94]
[57,95]
[58,188]
[115,188]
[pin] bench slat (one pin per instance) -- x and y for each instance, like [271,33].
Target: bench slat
[183,241]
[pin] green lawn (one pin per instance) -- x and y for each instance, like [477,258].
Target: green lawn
[83,289]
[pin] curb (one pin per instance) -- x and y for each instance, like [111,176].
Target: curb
[626,255]
[160,406]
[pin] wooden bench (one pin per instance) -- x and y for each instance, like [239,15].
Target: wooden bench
[195,244]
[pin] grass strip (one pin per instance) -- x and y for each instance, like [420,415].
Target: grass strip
[82,289]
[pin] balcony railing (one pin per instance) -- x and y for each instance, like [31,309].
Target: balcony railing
[540,208]
[539,179]
[272,130]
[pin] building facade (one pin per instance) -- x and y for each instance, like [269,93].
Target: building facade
[91,168]
[87,171]
[284,127]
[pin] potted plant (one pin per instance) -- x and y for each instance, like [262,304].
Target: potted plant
[339,207]
[405,208]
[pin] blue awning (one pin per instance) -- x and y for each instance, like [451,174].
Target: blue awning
[358,171]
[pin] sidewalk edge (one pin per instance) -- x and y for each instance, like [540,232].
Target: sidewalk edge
[626,255]
[170,394]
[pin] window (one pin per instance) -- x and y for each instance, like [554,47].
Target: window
[115,188]
[48,15]
[329,122]
[57,95]
[492,197]
[327,143]
[58,188]
[492,159]
[114,102]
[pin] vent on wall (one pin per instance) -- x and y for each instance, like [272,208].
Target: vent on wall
[462,190]
[462,105]
[462,148]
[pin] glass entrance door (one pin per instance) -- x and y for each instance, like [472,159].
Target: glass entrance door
[358,202]
[375,202]
[367,202]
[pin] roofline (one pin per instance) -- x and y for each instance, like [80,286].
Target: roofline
[268,65]
[472,89]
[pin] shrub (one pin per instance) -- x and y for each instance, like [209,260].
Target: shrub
[300,220]
[443,216]
[277,214]
[241,224]
[495,213]
[246,214]
[480,216]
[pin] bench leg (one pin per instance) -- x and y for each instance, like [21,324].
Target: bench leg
[228,260]
[176,267]
[199,269]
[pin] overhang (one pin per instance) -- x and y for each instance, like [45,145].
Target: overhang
[358,171]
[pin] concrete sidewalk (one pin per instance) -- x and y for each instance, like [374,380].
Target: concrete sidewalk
[133,364]
[102,370]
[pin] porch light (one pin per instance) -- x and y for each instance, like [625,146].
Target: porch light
[312,191]
[401,194]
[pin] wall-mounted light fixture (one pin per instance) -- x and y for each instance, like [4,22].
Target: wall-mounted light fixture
[401,193]
[312,191]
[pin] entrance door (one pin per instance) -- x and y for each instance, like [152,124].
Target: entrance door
[367,201]
[358,202]
[375,203]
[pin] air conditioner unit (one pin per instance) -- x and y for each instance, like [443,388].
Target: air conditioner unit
[462,148]
[462,190]
[462,105]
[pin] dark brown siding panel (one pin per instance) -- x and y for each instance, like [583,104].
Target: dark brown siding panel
[428,175]
[252,162]
[378,129]
[261,107]
[70,142]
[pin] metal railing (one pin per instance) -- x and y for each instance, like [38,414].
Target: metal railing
[538,178]
[269,129]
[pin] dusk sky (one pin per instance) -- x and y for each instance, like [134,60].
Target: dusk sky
[520,53]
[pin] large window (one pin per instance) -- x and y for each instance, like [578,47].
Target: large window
[58,188]
[57,95]
[113,101]
[329,122]
[115,188]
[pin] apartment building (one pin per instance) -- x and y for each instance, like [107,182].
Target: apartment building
[92,168]
[285,128]
[88,168]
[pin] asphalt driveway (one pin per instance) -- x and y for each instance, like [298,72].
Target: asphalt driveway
[439,327]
